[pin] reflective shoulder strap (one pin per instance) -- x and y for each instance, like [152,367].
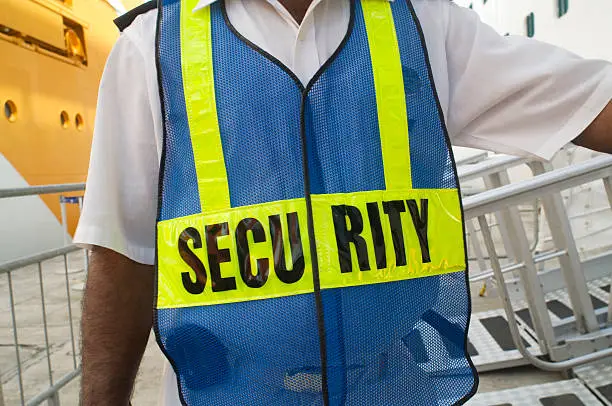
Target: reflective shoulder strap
[199,86]
[390,94]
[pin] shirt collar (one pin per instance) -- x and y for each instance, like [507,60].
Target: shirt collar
[203,3]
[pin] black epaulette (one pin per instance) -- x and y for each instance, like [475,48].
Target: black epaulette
[125,20]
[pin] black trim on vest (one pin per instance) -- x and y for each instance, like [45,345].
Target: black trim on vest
[259,50]
[125,20]
[309,216]
[452,157]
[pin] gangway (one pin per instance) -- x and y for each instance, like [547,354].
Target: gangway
[557,319]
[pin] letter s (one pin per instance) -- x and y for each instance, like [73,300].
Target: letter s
[194,287]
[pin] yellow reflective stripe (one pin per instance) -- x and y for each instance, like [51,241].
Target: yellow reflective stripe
[390,96]
[199,87]
[436,250]
[171,290]
[443,239]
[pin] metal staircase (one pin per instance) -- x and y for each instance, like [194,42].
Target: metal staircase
[556,304]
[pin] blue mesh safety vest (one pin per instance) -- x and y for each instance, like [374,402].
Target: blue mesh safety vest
[310,244]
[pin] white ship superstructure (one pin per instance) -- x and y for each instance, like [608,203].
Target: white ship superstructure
[582,26]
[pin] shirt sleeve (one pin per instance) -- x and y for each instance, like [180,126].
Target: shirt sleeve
[120,201]
[516,95]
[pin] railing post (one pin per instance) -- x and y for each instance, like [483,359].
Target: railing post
[15,336]
[571,267]
[534,293]
[469,225]
[54,400]
[64,217]
[493,181]
[608,186]
[85,252]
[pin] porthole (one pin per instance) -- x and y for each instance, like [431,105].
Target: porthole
[10,111]
[64,119]
[79,122]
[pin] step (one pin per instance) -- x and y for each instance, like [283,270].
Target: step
[489,333]
[491,344]
[598,378]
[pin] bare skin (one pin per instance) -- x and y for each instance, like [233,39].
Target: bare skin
[297,8]
[116,322]
[598,135]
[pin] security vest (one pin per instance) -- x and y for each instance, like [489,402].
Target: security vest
[310,242]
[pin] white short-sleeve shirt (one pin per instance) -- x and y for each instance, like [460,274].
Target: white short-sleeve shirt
[507,94]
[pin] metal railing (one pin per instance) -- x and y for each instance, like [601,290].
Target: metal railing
[493,172]
[546,183]
[493,165]
[15,269]
[586,345]
[41,190]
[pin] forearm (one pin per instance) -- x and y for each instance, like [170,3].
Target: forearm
[598,135]
[116,322]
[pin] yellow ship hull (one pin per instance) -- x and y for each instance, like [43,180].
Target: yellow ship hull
[53,54]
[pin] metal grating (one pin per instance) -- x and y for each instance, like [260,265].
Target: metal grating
[563,393]
[598,378]
[492,344]
[490,339]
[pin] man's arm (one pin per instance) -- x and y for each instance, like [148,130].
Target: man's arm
[598,135]
[519,96]
[117,319]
